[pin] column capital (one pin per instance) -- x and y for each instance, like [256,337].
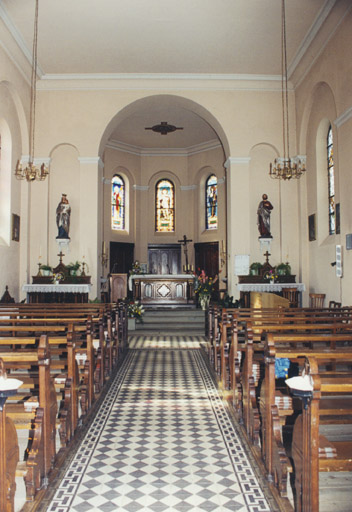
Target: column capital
[91,160]
[239,160]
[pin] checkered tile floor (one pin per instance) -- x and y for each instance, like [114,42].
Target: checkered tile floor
[161,441]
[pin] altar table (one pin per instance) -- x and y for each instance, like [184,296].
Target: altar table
[74,293]
[163,290]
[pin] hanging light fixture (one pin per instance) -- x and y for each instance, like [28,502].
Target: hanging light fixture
[31,172]
[286,168]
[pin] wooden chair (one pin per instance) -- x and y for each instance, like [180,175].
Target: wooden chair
[334,304]
[317,300]
[292,295]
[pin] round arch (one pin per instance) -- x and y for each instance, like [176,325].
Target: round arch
[177,101]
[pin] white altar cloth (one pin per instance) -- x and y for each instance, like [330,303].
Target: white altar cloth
[269,287]
[56,288]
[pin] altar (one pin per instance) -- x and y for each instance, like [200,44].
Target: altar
[163,290]
[75,293]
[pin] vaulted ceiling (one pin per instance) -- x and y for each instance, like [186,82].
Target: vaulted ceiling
[223,38]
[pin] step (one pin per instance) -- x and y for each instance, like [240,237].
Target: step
[176,321]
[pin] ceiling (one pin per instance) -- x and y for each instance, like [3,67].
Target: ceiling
[184,37]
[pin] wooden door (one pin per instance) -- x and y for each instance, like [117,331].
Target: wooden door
[206,257]
[121,257]
[164,259]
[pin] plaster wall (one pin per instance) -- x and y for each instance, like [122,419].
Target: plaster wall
[324,97]
[14,194]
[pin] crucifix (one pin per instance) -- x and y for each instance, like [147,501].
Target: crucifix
[184,242]
[61,254]
[267,254]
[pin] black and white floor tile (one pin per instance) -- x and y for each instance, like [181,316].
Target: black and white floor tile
[161,441]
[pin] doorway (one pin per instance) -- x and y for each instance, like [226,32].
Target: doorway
[121,257]
[206,257]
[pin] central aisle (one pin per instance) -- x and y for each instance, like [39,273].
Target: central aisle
[161,441]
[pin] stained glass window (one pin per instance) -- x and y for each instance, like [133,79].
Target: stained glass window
[118,200]
[331,182]
[164,206]
[211,201]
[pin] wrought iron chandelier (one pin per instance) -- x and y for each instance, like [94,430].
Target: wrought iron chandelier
[286,168]
[31,172]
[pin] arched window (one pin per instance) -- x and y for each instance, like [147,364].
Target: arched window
[331,182]
[164,206]
[211,202]
[118,201]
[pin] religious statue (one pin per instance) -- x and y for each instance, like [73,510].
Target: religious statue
[263,212]
[63,214]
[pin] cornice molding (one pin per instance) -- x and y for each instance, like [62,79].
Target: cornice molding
[17,37]
[157,81]
[307,41]
[162,152]
[343,118]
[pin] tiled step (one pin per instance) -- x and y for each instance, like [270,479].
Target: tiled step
[173,321]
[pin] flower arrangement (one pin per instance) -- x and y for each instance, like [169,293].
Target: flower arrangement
[203,284]
[271,275]
[136,268]
[57,278]
[135,310]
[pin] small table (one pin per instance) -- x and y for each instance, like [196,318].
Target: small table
[74,293]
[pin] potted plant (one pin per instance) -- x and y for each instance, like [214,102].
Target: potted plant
[254,269]
[283,269]
[73,268]
[46,269]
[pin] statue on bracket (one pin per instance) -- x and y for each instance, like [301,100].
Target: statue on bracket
[264,212]
[63,214]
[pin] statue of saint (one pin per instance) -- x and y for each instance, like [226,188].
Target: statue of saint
[63,214]
[263,212]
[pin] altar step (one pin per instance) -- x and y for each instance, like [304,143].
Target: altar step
[176,321]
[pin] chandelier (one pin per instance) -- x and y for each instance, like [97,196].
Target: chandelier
[31,172]
[286,168]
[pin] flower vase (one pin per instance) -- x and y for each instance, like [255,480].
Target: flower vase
[204,301]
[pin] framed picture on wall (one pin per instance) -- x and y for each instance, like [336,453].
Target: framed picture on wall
[15,227]
[311,227]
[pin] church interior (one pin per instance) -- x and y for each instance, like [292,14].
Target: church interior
[177,157]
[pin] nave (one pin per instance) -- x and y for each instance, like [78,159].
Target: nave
[162,440]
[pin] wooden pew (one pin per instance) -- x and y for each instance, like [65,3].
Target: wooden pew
[9,455]
[309,445]
[278,345]
[42,424]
